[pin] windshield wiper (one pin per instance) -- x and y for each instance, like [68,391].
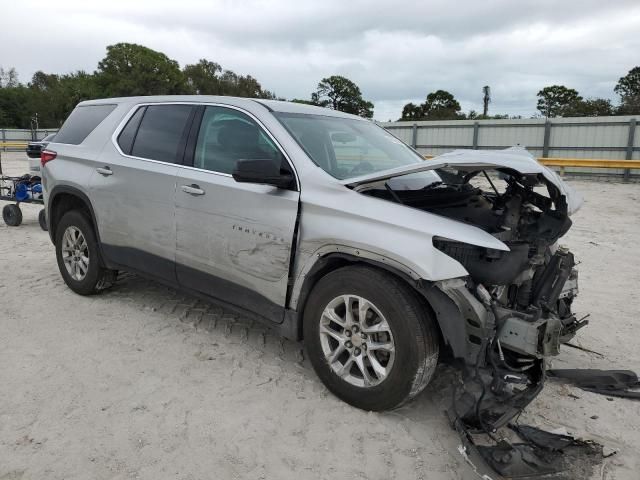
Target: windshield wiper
[393,194]
[432,185]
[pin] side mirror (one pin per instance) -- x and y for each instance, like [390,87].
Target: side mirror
[264,171]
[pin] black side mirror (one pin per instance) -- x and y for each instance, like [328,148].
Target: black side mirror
[265,171]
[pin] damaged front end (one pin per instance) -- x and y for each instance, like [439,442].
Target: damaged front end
[516,304]
[513,309]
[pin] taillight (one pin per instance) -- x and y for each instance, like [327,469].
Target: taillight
[47,156]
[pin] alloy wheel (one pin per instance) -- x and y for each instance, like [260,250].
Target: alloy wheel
[357,341]
[75,253]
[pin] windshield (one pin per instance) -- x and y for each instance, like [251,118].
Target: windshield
[347,148]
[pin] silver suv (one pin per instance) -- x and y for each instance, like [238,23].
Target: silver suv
[329,229]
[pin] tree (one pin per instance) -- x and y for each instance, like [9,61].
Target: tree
[53,97]
[242,86]
[304,102]
[628,87]
[44,81]
[340,93]
[441,105]
[592,107]
[556,100]
[8,78]
[130,69]
[202,77]
[14,110]
[411,111]
[127,69]
[208,78]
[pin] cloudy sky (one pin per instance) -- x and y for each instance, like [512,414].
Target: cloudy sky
[396,51]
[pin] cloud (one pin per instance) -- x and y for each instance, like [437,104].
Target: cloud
[395,51]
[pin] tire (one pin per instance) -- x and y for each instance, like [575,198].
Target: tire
[42,220]
[402,371]
[12,215]
[83,277]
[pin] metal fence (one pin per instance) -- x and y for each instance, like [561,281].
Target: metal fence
[606,138]
[12,139]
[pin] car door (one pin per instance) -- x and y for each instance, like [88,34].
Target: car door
[133,189]
[234,240]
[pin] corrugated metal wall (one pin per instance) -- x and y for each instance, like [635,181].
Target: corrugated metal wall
[585,137]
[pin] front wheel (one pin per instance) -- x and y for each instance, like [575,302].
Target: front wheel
[369,338]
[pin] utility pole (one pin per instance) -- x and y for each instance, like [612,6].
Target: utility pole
[486,100]
[34,127]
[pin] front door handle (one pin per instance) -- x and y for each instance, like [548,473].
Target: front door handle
[192,189]
[106,171]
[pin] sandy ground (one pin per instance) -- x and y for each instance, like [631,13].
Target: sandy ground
[145,382]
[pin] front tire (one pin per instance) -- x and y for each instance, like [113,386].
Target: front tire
[369,338]
[78,255]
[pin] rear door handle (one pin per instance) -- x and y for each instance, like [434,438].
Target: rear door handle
[106,171]
[192,189]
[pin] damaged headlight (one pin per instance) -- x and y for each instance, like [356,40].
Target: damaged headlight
[485,265]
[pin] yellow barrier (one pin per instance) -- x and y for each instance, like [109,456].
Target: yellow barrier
[589,162]
[13,144]
[583,162]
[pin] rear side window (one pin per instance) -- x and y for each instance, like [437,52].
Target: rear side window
[82,121]
[128,134]
[161,133]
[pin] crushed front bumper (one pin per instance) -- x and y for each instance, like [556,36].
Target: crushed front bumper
[501,350]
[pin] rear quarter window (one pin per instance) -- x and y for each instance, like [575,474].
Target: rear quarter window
[82,121]
[128,134]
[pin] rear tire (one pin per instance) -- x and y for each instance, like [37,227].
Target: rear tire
[78,255]
[12,215]
[42,220]
[381,355]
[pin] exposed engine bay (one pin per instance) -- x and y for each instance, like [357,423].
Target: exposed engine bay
[531,287]
[514,308]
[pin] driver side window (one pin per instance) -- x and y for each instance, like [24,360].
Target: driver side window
[226,136]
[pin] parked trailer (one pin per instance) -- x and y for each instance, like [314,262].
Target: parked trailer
[24,189]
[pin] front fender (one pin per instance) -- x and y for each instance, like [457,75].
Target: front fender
[444,264]
[336,219]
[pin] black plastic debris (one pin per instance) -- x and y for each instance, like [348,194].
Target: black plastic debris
[518,460]
[540,454]
[542,438]
[616,383]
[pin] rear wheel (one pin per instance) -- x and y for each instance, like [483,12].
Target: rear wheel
[78,255]
[369,338]
[12,215]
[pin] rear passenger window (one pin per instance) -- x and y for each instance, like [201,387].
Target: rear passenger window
[82,121]
[128,134]
[161,132]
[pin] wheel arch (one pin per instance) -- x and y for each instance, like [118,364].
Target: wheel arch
[335,260]
[63,199]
